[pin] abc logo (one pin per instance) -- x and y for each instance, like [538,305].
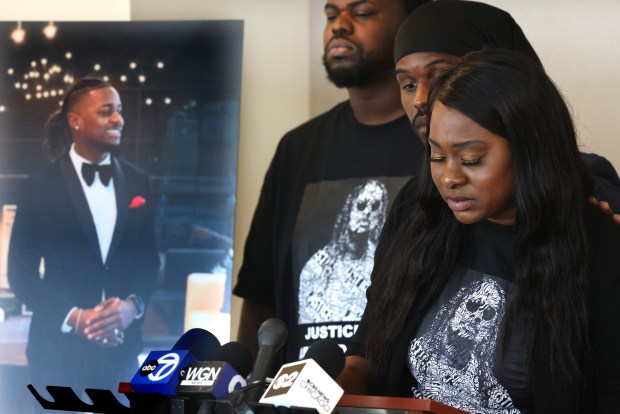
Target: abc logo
[166,365]
[161,368]
[148,368]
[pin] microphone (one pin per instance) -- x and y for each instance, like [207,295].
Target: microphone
[271,336]
[237,355]
[329,355]
[309,383]
[201,343]
[218,378]
[160,371]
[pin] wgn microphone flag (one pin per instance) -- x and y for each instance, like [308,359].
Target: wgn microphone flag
[216,379]
[160,371]
[306,383]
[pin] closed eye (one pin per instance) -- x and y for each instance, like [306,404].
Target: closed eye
[471,162]
[331,12]
[363,10]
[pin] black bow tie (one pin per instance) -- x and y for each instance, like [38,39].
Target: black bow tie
[89,170]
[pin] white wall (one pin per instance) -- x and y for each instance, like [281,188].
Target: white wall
[42,10]
[579,44]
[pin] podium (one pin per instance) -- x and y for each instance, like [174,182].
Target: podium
[103,401]
[350,404]
[359,404]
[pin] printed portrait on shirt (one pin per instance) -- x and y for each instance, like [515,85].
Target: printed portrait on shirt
[336,235]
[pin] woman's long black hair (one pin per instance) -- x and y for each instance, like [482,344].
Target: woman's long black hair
[58,137]
[510,95]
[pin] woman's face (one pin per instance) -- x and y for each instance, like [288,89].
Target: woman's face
[472,168]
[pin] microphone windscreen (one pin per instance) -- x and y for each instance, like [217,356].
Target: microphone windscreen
[237,355]
[271,336]
[199,342]
[328,355]
[272,333]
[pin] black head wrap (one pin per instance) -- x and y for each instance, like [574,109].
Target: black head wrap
[414,4]
[457,27]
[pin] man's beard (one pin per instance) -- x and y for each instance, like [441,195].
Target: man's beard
[421,119]
[360,74]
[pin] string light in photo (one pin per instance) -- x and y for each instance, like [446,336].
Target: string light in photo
[50,30]
[42,76]
[18,35]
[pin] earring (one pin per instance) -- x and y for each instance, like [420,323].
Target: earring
[76,127]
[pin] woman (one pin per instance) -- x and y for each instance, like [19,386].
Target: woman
[493,288]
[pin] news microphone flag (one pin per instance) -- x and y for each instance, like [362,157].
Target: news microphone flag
[211,379]
[160,371]
[303,384]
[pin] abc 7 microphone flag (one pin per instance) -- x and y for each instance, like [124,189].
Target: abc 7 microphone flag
[160,372]
[303,384]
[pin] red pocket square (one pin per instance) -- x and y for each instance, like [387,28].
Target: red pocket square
[137,201]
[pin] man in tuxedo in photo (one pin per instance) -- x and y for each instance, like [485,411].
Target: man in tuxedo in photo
[83,256]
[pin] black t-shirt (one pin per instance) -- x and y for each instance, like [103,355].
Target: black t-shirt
[598,391]
[458,356]
[309,252]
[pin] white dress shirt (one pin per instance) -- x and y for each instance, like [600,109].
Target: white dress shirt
[101,201]
[102,204]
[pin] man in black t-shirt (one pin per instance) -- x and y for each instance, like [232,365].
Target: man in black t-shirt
[308,255]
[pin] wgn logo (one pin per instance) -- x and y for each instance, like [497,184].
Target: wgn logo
[285,380]
[201,375]
[159,369]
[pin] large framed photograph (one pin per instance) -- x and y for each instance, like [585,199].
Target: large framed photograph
[179,85]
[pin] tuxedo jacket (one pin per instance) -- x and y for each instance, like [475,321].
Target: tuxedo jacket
[53,222]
